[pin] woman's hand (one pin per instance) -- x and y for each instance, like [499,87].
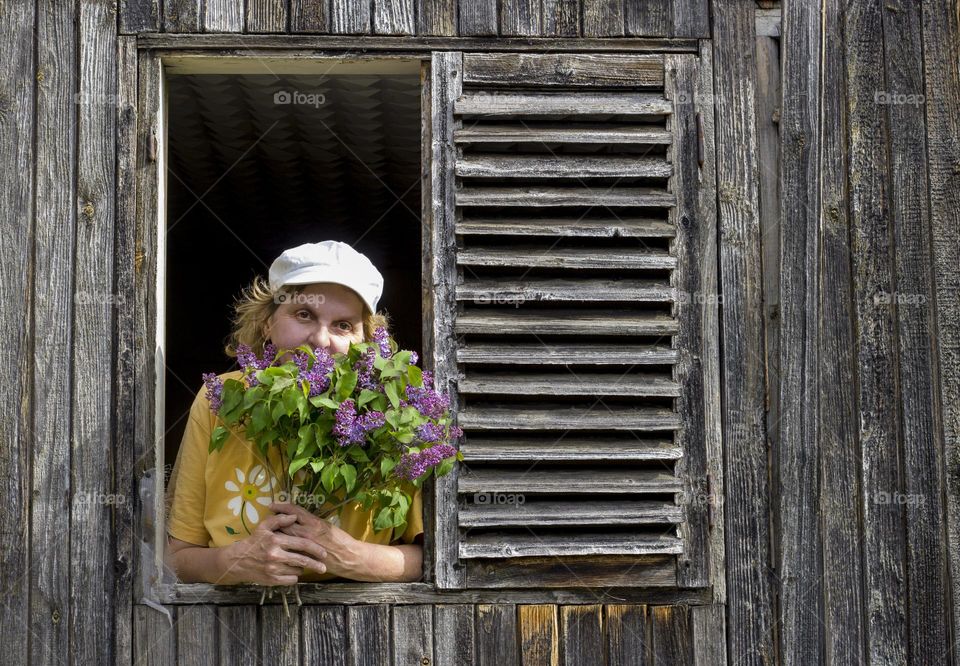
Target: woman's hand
[271,556]
[344,554]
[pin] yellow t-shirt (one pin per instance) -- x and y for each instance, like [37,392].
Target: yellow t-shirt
[215,499]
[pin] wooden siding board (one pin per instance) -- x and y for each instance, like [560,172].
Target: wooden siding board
[603,18]
[878,382]
[691,18]
[648,17]
[561,18]
[350,17]
[412,634]
[266,16]
[627,632]
[154,638]
[95,300]
[182,16]
[746,489]
[923,458]
[197,635]
[564,69]
[670,636]
[394,17]
[477,18]
[239,638]
[309,16]
[53,310]
[539,638]
[440,279]
[521,18]
[439,17]
[324,635]
[17,206]
[941,47]
[280,634]
[454,640]
[708,635]
[139,16]
[368,635]
[839,468]
[582,635]
[800,434]
[223,16]
[123,390]
[496,635]
[587,572]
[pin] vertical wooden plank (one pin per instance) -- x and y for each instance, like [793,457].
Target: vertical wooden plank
[91,520]
[670,639]
[197,631]
[844,593]
[627,631]
[521,18]
[496,634]
[453,630]
[350,17]
[239,639]
[139,16]
[368,635]
[561,18]
[800,435]
[709,636]
[581,630]
[123,267]
[439,17]
[54,240]
[324,635]
[439,307]
[267,16]
[309,16]
[879,423]
[412,631]
[154,639]
[746,490]
[914,308]
[477,18]
[691,18]
[223,16]
[393,17]
[181,16]
[539,637]
[603,18]
[941,48]
[650,18]
[280,635]
[18,89]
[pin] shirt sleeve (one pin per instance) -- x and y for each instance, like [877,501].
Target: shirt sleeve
[414,520]
[187,490]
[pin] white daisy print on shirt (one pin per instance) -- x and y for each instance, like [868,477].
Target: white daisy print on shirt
[255,487]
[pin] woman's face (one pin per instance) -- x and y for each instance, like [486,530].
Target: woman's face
[329,316]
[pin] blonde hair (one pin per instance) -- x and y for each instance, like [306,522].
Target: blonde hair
[257,303]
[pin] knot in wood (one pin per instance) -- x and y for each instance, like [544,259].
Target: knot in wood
[87,210]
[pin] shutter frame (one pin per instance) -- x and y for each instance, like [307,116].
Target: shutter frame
[679,87]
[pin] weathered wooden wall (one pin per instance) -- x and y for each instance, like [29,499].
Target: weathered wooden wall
[839,248]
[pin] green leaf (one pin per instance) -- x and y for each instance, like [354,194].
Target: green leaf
[349,474]
[445,466]
[386,466]
[278,410]
[358,454]
[405,437]
[391,390]
[252,396]
[415,376]
[366,395]
[402,358]
[217,438]
[345,386]
[281,383]
[297,464]
[384,519]
[328,477]
[323,401]
[317,465]
[230,530]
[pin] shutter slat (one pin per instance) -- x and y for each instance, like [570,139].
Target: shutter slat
[626,227]
[608,134]
[571,322]
[582,543]
[568,513]
[557,354]
[564,69]
[564,196]
[568,384]
[562,104]
[518,449]
[509,290]
[568,418]
[569,166]
[567,258]
[568,482]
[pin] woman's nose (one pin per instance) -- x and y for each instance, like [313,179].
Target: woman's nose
[320,338]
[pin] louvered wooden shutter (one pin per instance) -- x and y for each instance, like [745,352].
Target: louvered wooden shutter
[573,311]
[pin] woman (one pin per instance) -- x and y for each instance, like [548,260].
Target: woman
[224,525]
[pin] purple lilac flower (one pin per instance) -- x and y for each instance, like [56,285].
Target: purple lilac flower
[318,374]
[382,338]
[427,401]
[427,379]
[350,429]
[246,357]
[415,465]
[251,364]
[214,390]
[371,420]
[364,368]
[456,432]
[414,358]
[430,432]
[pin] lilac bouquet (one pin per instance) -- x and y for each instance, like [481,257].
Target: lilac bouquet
[354,427]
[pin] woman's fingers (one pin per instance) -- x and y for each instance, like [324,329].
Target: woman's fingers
[303,546]
[277,521]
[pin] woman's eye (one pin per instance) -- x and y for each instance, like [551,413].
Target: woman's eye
[303,314]
[346,326]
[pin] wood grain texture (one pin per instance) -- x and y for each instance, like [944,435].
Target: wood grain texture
[496,635]
[239,638]
[521,18]
[649,17]
[582,634]
[17,220]
[585,572]
[477,17]
[603,18]
[941,39]
[309,16]
[709,639]
[878,384]
[223,16]
[266,16]
[454,640]
[139,16]
[438,17]
[563,70]
[323,630]
[412,633]
[368,635]
[182,16]
[552,104]
[197,631]
[691,18]
[561,18]
[627,634]
[91,524]
[670,635]
[505,545]
[746,489]
[393,17]
[350,17]
[280,635]
[53,301]
[154,639]
[539,637]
